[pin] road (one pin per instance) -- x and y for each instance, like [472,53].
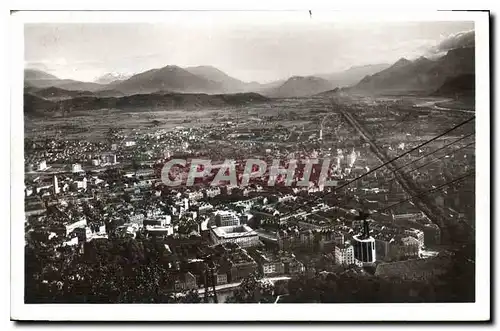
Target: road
[433,105]
[427,206]
[229,286]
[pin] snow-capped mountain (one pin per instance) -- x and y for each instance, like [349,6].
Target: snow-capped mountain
[112,77]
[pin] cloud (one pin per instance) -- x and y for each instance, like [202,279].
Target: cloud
[456,40]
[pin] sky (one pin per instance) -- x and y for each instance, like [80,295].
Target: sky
[257,50]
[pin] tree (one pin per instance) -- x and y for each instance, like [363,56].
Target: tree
[253,290]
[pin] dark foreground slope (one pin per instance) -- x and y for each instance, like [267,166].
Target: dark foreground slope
[458,87]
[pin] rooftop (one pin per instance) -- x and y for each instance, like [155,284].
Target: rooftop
[234,231]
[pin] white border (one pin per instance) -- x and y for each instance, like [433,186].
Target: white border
[241,312]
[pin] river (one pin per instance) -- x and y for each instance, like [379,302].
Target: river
[433,105]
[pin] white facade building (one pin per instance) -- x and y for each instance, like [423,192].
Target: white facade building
[242,235]
[344,254]
[76,167]
[42,165]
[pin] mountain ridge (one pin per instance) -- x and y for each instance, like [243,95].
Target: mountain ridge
[421,75]
[38,105]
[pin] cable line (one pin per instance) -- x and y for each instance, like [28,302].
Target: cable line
[470,173]
[386,163]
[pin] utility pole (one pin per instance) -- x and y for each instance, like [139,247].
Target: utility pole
[209,278]
[212,268]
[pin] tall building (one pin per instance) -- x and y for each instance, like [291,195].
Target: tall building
[352,158]
[364,245]
[56,185]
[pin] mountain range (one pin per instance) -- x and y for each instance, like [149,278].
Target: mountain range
[353,75]
[299,86]
[111,77]
[199,79]
[171,86]
[39,79]
[421,76]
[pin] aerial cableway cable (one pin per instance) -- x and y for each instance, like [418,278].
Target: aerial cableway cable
[383,164]
[437,188]
[349,197]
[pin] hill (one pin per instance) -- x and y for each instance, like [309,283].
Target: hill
[141,101]
[34,105]
[40,79]
[299,86]
[169,78]
[34,74]
[353,75]
[55,93]
[226,82]
[419,76]
[458,86]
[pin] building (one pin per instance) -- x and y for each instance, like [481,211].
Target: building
[432,234]
[328,239]
[415,269]
[221,278]
[213,192]
[56,185]
[410,217]
[184,281]
[271,268]
[410,247]
[128,230]
[92,232]
[108,158]
[242,235]
[72,242]
[352,158]
[159,230]
[269,264]
[196,195]
[364,245]
[383,246]
[80,183]
[42,165]
[81,223]
[344,254]
[226,218]
[76,167]
[233,261]
[204,207]
[417,234]
[307,238]
[158,220]
[288,238]
[137,219]
[364,249]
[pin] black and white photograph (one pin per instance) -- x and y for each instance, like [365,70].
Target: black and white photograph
[326,166]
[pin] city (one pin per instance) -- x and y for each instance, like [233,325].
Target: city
[395,224]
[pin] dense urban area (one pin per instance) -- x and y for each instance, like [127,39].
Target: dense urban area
[102,227]
[121,205]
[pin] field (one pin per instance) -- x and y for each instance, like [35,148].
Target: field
[302,116]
